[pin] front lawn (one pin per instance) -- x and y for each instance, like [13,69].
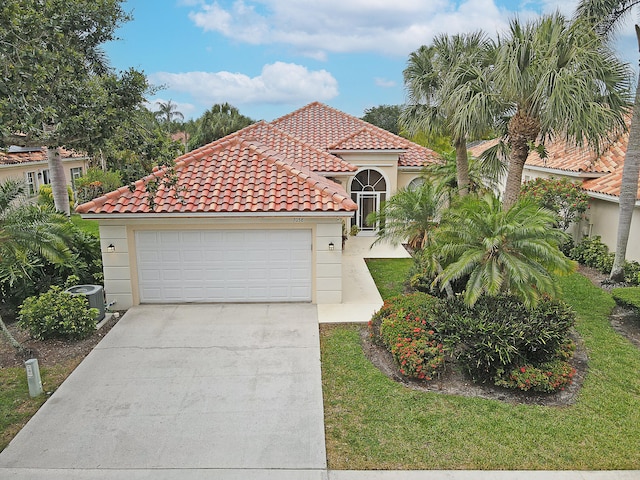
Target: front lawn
[374,423]
[89,226]
[390,274]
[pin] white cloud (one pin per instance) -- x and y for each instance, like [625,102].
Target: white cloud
[314,27]
[278,83]
[383,82]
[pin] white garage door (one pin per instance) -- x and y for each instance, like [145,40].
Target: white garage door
[224,266]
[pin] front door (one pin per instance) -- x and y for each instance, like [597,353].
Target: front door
[368,190]
[367,203]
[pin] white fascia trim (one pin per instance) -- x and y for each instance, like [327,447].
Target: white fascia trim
[338,152]
[410,169]
[249,215]
[40,162]
[607,198]
[565,173]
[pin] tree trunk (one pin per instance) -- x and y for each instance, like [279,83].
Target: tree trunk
[522,129]
[628,189]
[14,343]
[58,181]
[462,168]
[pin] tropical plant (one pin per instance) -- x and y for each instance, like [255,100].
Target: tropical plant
[167,113]
[444,175]
[608,16]
[567,199]
[217,122]
[501,249]
[57,87]
[556,79]
[96,182]
[448,94]
[410,215]
[28,233]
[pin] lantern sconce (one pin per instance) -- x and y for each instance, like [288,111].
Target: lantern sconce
[111,248]
[331,246]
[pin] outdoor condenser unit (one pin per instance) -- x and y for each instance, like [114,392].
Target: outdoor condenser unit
[94,294]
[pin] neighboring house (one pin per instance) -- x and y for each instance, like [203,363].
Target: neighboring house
[600,177]
[29,164]
[257,216]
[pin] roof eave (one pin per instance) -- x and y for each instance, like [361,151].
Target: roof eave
[372,150]
[149,215]
[566,173]
[606,197]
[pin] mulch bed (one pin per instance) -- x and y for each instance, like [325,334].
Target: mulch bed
[454,382]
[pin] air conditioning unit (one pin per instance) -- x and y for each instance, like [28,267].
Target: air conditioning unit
[95,296]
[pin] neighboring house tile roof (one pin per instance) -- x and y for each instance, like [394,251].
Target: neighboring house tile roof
[332,130]
[230,175]
[19,155]
[563,157]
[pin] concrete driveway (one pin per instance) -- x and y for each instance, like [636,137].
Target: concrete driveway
[190,389]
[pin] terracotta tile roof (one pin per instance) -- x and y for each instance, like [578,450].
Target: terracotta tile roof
[304,154]
[329,129]
[33,155]
[569,158]
[230,175]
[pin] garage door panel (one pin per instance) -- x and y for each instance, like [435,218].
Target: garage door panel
[224,265]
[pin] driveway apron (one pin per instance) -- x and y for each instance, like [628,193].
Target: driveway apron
[188,387]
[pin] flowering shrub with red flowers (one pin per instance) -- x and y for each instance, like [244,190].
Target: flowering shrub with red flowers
[403,327]
[547,377]
[563,197]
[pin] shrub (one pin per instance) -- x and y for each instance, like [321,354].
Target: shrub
[415,305]
[547,377]
[402,326]
[56,313]
[563,197]
[595,254]
[501,332]
[45,195]
[96,182]
[422,274]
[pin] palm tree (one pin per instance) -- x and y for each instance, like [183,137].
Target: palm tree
[448,94]
[217,122]
[607,15]
[26,232]
[167,112]
[511,250]
[445,175]
[409,215]
[556,79]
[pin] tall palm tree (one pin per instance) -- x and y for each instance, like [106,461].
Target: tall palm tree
[25,230]
[167,112]
[607,15]
[556,79]
[511,250]
[409,215]
[448,94]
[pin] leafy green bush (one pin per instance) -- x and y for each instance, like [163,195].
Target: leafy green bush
[423,273]
[96,182]
[627,296]
[547,377]
[56,313]
[563,197]
[502,333]
[595,254]
[45,195]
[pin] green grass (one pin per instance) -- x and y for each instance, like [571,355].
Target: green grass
[16,406]
[627,296]
[89,226]
[375,423]
[390,274]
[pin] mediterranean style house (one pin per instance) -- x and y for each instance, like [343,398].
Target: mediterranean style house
[257,216]
[599,175]
[29,164]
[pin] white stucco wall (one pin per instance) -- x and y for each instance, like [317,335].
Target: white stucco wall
[603,221]
[121,281]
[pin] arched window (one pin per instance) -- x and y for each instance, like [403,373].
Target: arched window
[368,190]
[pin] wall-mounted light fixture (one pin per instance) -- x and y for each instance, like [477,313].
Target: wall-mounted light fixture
[331,246]
[111,248]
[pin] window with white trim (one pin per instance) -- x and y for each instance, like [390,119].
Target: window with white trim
[76,172]
[30,179]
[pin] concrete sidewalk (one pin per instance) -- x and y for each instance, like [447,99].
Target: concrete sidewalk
[360,296]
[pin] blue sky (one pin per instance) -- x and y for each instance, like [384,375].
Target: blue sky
[269,57]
